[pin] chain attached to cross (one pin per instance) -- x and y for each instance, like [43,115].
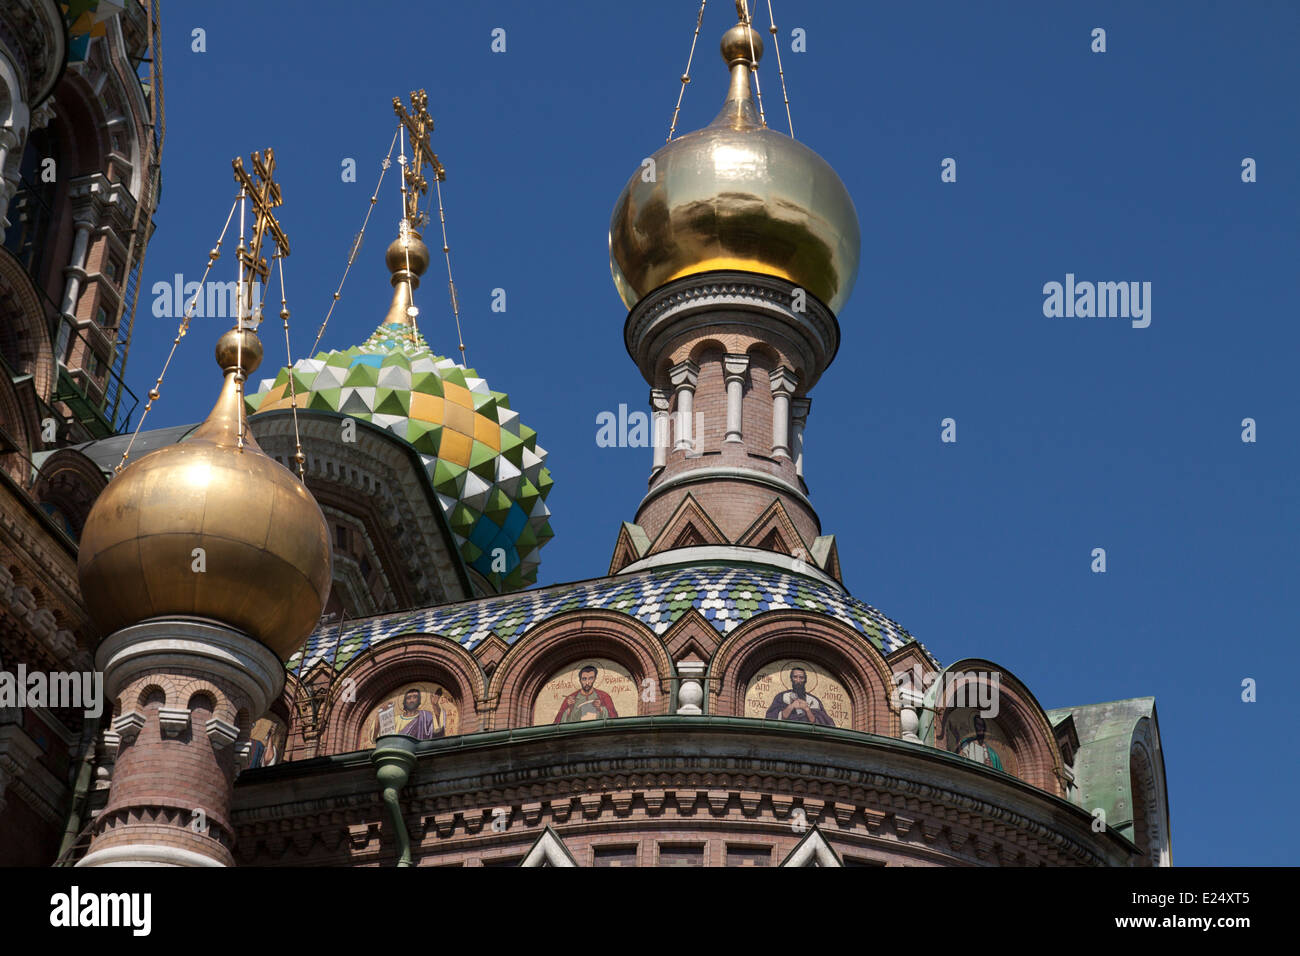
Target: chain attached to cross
[265,194]
[419,124]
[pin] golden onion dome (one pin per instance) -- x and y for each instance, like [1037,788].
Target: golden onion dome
[736,195]
[265,566]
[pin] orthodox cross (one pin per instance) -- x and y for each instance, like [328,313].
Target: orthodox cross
[419,124]
[265,195]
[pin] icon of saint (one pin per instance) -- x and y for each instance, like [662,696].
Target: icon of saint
[586,703]
[421,723]
[977,748]
[797,704]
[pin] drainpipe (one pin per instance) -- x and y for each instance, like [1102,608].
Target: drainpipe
[393,757]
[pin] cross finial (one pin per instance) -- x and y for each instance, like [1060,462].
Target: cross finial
[265,194]
[419,124]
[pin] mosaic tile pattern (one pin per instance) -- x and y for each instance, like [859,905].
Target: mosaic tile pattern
[726,596]
[485,465]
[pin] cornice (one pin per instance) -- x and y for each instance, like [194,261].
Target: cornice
[873,788]
[706,298]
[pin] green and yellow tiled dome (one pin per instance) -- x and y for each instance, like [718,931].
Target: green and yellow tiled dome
[485,465]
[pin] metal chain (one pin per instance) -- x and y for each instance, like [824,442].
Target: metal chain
[356,245]
[753,60]
[776,44]
[156,391]
[298,456]
[451,283]
[239,324]
[686,77]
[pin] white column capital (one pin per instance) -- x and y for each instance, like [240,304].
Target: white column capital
[783,381]
[684,375]
[734,366]
[128,725]
[174,721]
[221,733]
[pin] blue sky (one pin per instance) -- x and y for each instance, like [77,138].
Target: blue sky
[1073,433]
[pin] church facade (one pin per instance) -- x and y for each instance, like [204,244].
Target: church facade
[363,674]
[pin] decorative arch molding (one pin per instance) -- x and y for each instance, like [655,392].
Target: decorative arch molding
[1038,758]
[377,673]
[566,638]
[1150,804]
[15,425]
[709,348]
[832,644]
[70,481]
[24,338]
[85,123]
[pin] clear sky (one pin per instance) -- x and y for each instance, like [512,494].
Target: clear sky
[1072,433]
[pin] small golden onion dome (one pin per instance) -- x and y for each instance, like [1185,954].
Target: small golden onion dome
[407,258]
[265,564]
[736,195]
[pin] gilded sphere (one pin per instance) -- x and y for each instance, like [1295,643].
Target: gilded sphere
[205,529]
[231,352]
[736,45]
[414,251]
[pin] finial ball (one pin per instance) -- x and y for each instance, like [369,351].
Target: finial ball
[736,45]
[230,350]
[415,251]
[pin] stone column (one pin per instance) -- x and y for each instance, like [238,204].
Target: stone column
[783,386]
[75,270]
[798,419]
[734,368]
[10,155]
[660,432]
[683,376]
[83,223]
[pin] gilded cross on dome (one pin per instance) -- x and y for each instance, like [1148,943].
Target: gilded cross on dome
[419,124]
[265,194]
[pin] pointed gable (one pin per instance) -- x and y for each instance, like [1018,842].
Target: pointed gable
[689,527]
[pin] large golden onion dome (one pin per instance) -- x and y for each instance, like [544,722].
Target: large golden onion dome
[265,565]
[736,195]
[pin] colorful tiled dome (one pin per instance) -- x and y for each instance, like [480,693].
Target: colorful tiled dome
[484,463]
[727,596]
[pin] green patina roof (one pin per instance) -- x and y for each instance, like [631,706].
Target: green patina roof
[1101,767]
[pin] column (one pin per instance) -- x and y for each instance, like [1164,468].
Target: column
[76,268]
[659,403]
[683,376]
[783,386]
[734,368]
[798,419]
[10,155]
